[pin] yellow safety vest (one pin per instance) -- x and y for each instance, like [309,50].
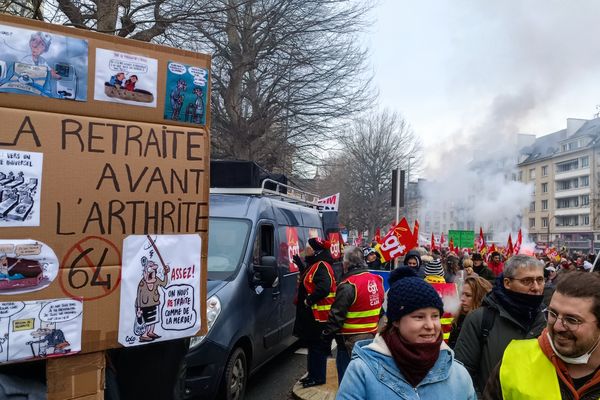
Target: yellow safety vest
[526,373]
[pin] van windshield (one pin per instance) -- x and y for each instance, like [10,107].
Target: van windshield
[227,238]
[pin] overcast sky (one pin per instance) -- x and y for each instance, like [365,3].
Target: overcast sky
[457,68]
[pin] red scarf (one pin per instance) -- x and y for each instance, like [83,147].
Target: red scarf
[413,359]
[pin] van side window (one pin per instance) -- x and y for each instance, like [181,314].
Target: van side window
[264,244]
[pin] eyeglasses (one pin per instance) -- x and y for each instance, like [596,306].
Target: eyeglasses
[530,280]
[568,322]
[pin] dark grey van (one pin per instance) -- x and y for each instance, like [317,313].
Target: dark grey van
[251,290]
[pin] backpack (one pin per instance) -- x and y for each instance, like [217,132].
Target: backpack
[487,322]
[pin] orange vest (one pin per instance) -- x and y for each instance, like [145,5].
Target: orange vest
[363,314]
[321,308]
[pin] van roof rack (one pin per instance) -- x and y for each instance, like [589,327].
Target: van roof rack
[282,191]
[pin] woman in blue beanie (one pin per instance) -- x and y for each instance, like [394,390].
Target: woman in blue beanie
[408,358]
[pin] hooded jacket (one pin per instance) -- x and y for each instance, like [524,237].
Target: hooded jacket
[373,374]
[416,255]
[480,355]
[591,390]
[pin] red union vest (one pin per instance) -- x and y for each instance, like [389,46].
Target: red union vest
[363,314]
[321,308]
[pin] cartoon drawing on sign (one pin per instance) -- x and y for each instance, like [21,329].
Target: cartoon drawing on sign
[42,64]
[180,77]
[20,181]
[49,339]
[25,266]
[148,298]
[125,78]
[40,329]
[164,304]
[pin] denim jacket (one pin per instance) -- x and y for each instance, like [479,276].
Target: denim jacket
[373,374]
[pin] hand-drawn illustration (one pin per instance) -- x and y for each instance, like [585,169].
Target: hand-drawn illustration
[20,188]
[125,78]
[40,328]
[159,288]
[186,91]
[42,64]
[26,266]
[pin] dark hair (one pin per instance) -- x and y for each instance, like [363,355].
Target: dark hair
[582,285]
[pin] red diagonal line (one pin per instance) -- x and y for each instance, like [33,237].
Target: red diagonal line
[91,265]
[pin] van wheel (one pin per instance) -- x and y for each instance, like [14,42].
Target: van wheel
[235,376]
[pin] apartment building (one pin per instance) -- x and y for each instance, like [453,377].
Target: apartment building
[563,169]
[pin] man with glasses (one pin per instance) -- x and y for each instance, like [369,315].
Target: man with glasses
[512,310]
[564,362]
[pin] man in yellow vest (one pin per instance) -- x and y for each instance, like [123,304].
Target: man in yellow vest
[564,362]
[354,314]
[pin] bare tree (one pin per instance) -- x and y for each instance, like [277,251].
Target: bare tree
[285,74]
[362,170]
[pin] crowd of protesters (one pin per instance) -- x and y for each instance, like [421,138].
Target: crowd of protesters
[513,318]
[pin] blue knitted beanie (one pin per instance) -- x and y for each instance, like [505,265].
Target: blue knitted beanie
[409,293]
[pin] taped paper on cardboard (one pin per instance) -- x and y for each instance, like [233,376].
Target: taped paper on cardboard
[186,92]
[42,64]
[20,188]
[26,265]
[40,329]
[160,288]
[125,78]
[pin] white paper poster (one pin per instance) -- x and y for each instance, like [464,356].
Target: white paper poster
[125,78]
[20,188]
[26,266]
[40,329]
[160,288]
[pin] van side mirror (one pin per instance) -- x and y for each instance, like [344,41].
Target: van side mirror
[267,272]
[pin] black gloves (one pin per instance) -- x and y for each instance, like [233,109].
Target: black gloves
[298,261]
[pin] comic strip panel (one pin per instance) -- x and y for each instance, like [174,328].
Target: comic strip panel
[42,64]
[125,78]
[26,266]
[160,286]
[20,188]
[186,93]
[40,329]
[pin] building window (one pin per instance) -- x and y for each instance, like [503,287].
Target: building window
[520,176]
[544,204]
[532,173]
[567,166]
[532,222]
[532,206]
[544,222]
[585,162]
[545,170]
[586,219]
[585,181]
[567,202]
[585,200]
[544,187]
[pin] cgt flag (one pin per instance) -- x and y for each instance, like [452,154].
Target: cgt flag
[432,242]
[398,241]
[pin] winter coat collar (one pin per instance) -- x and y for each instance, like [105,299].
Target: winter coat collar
[491,301]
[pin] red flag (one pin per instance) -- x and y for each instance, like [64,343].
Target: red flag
[416,231]
[398,241]
[509,247]
[378,235]
[432,242]
[518,242]
[442,240]
[480,242]
[451,245]
[492,249]
[359,239]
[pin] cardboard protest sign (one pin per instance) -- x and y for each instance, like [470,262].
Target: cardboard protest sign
[186,93]
[160,288]
[125,78]
[26,266]
[20,188]
[42,64]
[40,329]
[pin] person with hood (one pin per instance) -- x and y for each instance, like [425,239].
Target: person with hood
[408,358]
[356,310]
[564,361]
[481,269]
[316,294]
[495,263]
[372,258]
[412,259]
[512,310]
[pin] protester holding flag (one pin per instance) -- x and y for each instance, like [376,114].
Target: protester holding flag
[408,355]
[474,290]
